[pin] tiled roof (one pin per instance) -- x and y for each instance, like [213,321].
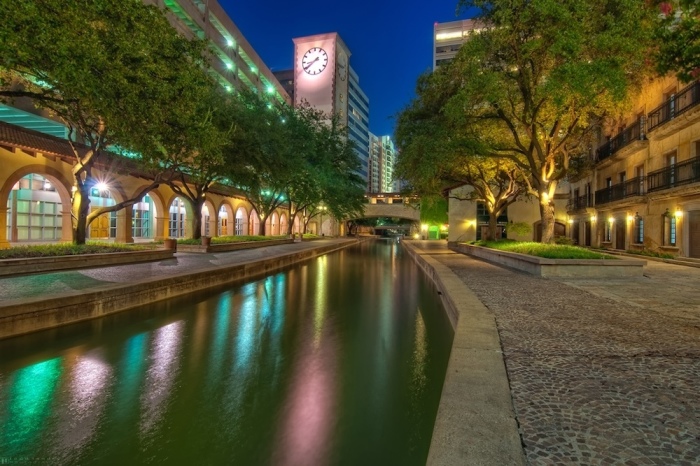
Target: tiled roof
[33,141]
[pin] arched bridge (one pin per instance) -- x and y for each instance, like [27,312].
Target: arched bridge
[391,205]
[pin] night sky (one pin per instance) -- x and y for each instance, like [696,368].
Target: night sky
[391,41]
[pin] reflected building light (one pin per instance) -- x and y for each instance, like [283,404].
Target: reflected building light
[164,367]
[31,394]
[320,299]
[88,399]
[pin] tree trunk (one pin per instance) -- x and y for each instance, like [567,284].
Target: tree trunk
[197,219]
[493,226]
[547,217]
[261,227]
[80,209]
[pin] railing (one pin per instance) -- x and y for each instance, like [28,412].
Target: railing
[675,175]
[687,98]
[634,133]
[631,187]
[580,202]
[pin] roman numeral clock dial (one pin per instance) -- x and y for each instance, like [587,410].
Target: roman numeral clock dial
[314,61]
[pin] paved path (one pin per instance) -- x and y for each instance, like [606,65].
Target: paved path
[601,371]
[73,281]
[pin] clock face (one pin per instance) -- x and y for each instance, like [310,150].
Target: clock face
[315,60]
[342,66]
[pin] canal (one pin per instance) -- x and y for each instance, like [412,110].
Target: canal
[339,360]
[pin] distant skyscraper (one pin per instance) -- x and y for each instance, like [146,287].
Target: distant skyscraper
[358,122]
[388,159]
[449,37]
[375,153]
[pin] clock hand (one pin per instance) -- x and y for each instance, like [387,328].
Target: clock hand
[311,63]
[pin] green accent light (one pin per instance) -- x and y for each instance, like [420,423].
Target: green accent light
[31,396]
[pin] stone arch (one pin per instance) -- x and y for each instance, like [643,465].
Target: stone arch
[254,222]
[178,227]
[274,224]
[209,226]
[57,180]
[225,223]
[241,221]
[284,226]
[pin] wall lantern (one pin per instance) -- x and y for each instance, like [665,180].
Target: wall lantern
[679,212]
[611,219]
[593,218]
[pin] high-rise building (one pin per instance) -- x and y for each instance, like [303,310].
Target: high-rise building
[388,159]
[323,78]
[358,122]
[374,170]
[449,37]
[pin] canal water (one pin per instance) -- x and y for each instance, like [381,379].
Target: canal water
[340,360]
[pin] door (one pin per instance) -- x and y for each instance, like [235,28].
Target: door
[694,233]
[587,233]
[620,227]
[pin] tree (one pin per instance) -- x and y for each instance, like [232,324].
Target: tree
[438,154]
[532,84]
[678,36]
[110,71]
[263,156]
[193,149]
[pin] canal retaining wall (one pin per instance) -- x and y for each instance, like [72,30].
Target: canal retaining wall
[475,423]
[30,315]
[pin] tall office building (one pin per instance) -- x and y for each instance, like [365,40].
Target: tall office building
[375,153]
[358,122]
[449,37]
[388,159]
[323,78]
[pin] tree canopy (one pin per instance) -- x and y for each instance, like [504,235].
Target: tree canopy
[678,37]
[531,85]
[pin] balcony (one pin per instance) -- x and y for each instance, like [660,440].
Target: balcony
[579,203]
[676,175]
[675,106]
[630,188]
[634,133]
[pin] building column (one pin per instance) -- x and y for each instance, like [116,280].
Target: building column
[4,243]
[160,228]
[125,232]
[214,224]
[66,226]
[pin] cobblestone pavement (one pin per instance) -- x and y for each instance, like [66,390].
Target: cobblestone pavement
[601,372]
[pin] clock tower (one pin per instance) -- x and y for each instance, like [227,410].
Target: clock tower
[321,73]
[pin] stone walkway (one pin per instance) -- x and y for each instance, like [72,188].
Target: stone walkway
[601,372]
[75,281]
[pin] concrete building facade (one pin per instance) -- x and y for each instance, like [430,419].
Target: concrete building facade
[449,37]
[643,192]
[36,160]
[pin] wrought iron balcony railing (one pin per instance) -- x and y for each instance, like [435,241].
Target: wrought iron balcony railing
[634,133]
[580,202]
[687,98]
[675,175]
[631,187]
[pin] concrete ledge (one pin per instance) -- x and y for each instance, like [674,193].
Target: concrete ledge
[557,268]
[226,247]
[475,423]
[24,316]
[51,264]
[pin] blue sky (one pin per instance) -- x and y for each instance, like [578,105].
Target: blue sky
[391,41]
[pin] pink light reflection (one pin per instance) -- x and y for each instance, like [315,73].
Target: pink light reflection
[310,410]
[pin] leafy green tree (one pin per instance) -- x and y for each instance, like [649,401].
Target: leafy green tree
[110,71]
[532,83]
[263,156]
[678,37]
[194,146]
[437,154]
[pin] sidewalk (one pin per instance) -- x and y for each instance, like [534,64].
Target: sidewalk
[73,281]
[600,371]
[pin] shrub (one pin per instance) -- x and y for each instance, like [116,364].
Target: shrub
[70,249]
[549,251]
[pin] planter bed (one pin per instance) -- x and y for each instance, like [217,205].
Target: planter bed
[557,268]
[225,247]
[55,263]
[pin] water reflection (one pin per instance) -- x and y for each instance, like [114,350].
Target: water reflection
[339,360]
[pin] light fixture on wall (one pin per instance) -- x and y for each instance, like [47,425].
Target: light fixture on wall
[637,217]
[593,218]
[679,212]
[630,218]
[611,219]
